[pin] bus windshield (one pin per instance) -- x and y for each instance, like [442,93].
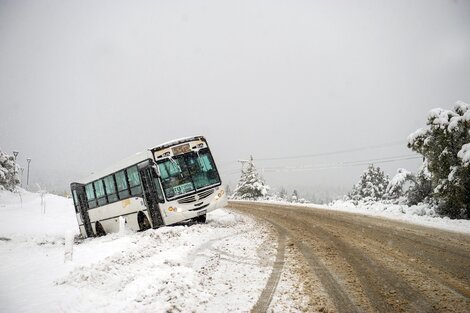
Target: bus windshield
[188,172]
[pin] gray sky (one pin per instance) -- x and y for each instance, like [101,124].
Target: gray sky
[86,83]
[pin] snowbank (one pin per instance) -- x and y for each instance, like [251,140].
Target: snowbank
[28,216]
[221,266]
[417,214]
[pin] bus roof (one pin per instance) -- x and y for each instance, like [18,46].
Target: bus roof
[177,141]
[134,159]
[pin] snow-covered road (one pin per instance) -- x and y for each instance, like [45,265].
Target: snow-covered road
[221,266]
[359,263]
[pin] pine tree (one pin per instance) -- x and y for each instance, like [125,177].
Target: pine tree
[421,190]
[395,188]
[9,172]
[283,194]
[251,185]
[295,196]
[371,186]
[443,145]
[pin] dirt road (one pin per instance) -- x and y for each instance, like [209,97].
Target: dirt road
[357,263]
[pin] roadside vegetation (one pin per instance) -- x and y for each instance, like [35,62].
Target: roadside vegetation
[439,187]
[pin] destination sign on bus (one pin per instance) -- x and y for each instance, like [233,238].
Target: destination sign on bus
[181,149]
[183,188]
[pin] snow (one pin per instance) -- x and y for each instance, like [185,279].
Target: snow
[283,298]
[421,214]
[440,118]
[221,266]
[397,181]
[464,154]
[448,119]
[420,132]
[23,218]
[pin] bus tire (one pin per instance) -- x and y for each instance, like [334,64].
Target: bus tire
[143,221]
[200,219]
[99,230]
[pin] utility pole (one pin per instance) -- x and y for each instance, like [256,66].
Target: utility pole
[22,170]
[242,162]
[15,154]
[27,178]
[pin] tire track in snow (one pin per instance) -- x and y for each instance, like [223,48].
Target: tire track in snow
[266,296]
[339,297]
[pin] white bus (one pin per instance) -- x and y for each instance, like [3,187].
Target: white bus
[174,182]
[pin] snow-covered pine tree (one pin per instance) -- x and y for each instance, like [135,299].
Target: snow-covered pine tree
[251,185]
[421,190]
[283,194]
[395,188]
[371,186]
[443,144]
[9,172]
[295,197]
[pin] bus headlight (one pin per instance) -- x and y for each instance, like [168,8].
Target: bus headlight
[175,209]
[219,195]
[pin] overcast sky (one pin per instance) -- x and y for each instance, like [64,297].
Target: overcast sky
[86,83]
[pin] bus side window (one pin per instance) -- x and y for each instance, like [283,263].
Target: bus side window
[121,183]
[134,180]
[100,194]
[90,194]
[75,200]
[110,188]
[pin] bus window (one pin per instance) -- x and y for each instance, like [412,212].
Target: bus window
[134,180]
[175,177]
[100,194]
[75,200]
[121,183]
[202,169]
[90,194]
[110,188]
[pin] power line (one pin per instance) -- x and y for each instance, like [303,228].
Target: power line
[337,164]
[389,144]
[341,164]
[374,160]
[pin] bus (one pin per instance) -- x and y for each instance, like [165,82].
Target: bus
[174,182]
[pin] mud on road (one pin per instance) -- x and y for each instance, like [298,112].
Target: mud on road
[358,263]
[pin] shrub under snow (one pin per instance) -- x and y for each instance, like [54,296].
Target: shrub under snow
[395,188]
[9,172]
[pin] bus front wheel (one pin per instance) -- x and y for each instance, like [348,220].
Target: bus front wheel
[200,219]
[99,230]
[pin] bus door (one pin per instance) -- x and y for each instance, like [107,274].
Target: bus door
[82,207]
[147,177]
